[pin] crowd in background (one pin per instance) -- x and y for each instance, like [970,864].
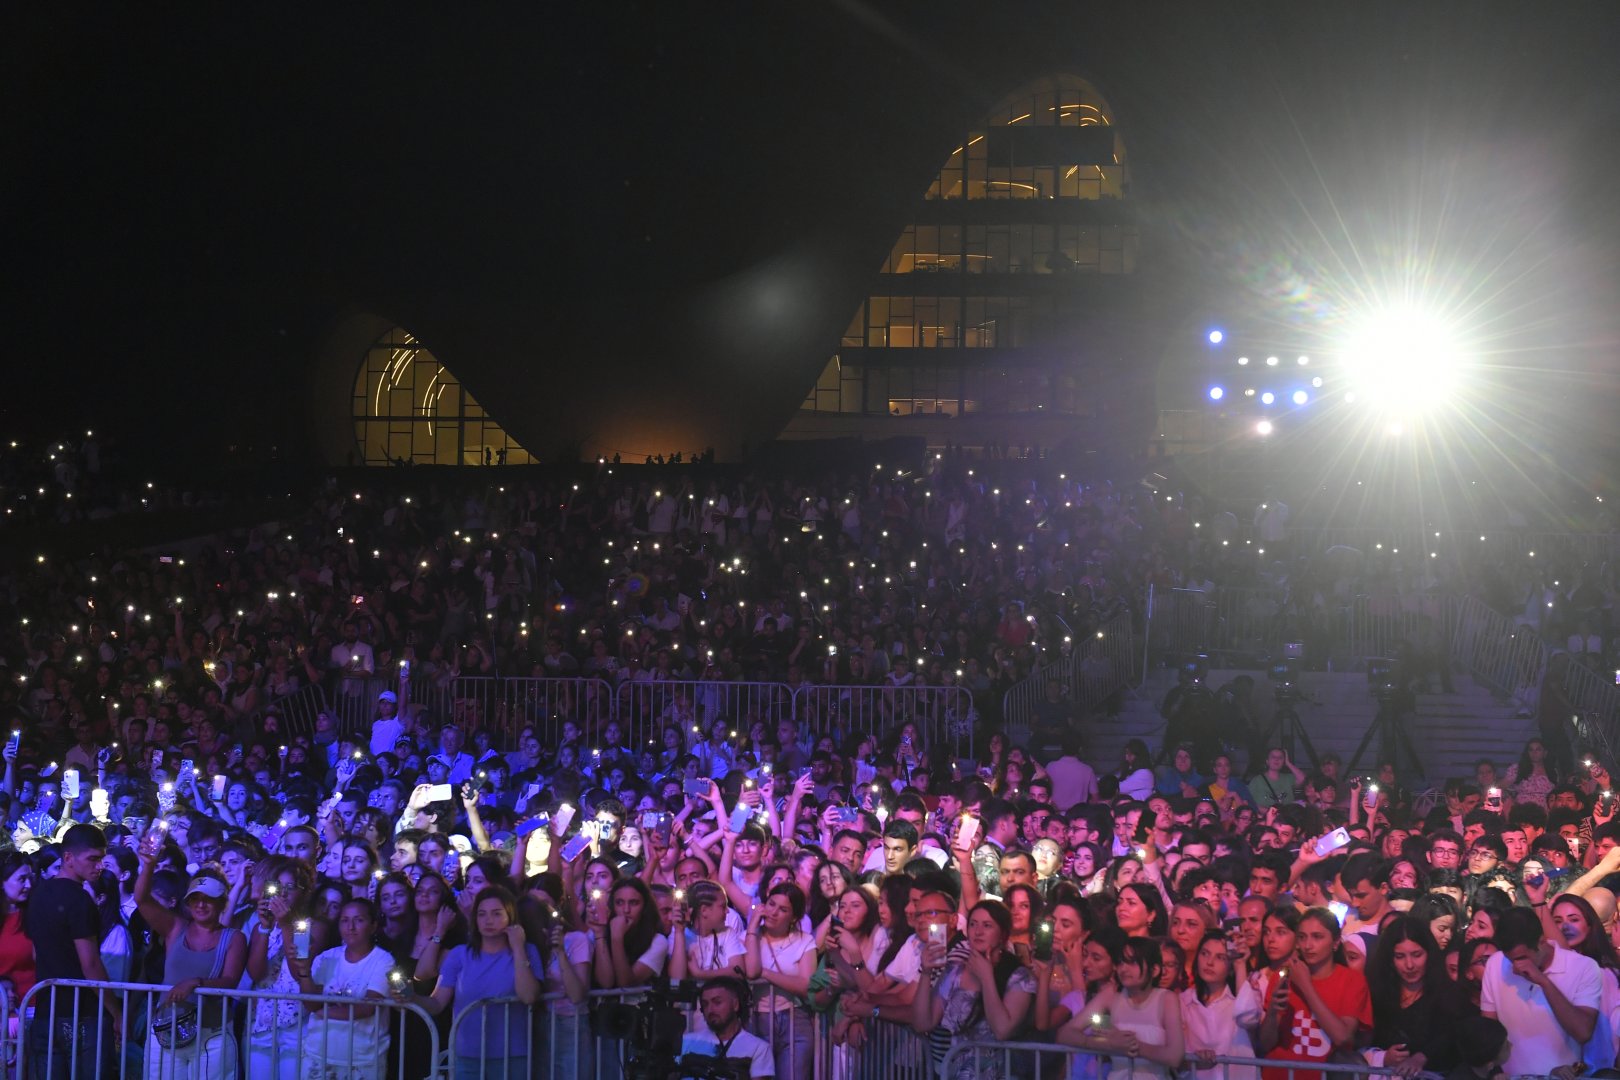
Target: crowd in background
[1154,911]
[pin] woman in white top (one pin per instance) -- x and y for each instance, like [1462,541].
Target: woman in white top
[347,1040]
[1216,1018]
[1141,1024]
[785,957]
[1135,772]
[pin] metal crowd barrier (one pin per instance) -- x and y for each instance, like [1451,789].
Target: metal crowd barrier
[1595,697]
[1506,657]
[998,1060]
[642,708]
[67,1031]
[1099,666]
[1377,625]
[944,715]
[557,1038]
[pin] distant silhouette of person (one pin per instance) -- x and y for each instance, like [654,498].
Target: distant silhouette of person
[489,456]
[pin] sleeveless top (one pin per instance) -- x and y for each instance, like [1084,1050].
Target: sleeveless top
[182,962]
[1145,1022]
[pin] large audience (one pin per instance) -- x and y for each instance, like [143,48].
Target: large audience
[174,822]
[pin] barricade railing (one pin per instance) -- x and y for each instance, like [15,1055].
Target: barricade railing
[889,1050]
[1099,665]
[296,711]
[1002,1060]
[352,700]
[644,708]
[556,1037]
[78,1028]
[1506,657]
[1596,700]
[1105,662]
[943,714]
[1225,619]
[1379,624]
[505,706]
[545,704]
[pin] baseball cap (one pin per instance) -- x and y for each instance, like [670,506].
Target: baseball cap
[388,695]
[206,885]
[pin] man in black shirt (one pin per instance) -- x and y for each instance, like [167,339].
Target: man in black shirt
[65,927]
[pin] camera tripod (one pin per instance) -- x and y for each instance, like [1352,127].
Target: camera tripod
[1286,727]
[1392,736]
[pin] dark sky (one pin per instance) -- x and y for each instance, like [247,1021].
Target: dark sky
[188,200]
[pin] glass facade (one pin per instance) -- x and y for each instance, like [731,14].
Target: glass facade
[409,408]
[998,271]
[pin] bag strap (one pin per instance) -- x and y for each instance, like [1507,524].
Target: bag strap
[220,951]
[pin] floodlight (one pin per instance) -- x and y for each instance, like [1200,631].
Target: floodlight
[1271,361]
[1243,361]
[1263,427]
[1268,398]
[1403,360]
[1301,397]
[1216,393]
[1216,337]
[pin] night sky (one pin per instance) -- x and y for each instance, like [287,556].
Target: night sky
[189,201]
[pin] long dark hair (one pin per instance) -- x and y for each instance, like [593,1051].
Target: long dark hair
[1204,991]
[475,941]
[1597,945]
[896,891]
[1382,978]
[638,938]
[1548,765]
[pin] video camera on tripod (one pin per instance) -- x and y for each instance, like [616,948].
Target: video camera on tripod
[1284,675]
[652,1030]
[1383,678]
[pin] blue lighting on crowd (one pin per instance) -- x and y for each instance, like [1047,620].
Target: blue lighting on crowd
[1216,337]
[1268,398]
[1216,393]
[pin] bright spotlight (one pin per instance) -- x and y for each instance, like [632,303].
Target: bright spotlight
[1268,398]
[1216,393]
[1243,361]
[1216,337]
[1304,360]
[1263,427]
[1301,397]
[1271,361]
[1403,360]
[1317,382]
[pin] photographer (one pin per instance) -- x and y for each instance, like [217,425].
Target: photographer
[720,1033]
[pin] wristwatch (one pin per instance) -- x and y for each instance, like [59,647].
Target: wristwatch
[436,939]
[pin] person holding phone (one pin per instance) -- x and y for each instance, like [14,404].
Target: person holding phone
[1316,1005]
[1416,1006]
[283,888]
[1132,1020]
[983,997]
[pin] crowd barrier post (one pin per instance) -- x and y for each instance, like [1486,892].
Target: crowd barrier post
[73,1028]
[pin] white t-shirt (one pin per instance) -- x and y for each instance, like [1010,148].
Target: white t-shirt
[349,1043]
[1538,1043]
[385,733]
[782,955]
[700,1040]
[718,950]
[907,963]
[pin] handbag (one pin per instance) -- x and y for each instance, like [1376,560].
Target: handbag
[176,1027]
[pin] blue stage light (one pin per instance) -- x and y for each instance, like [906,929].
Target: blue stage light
[1216,393]
[1301,397]
[1216,337]
[1268,398]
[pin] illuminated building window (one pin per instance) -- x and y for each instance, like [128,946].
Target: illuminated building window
[1016,249]
[409,408]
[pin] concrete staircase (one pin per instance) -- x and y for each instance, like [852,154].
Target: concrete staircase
[1451,731]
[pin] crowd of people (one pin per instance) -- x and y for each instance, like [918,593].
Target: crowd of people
[171,826]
